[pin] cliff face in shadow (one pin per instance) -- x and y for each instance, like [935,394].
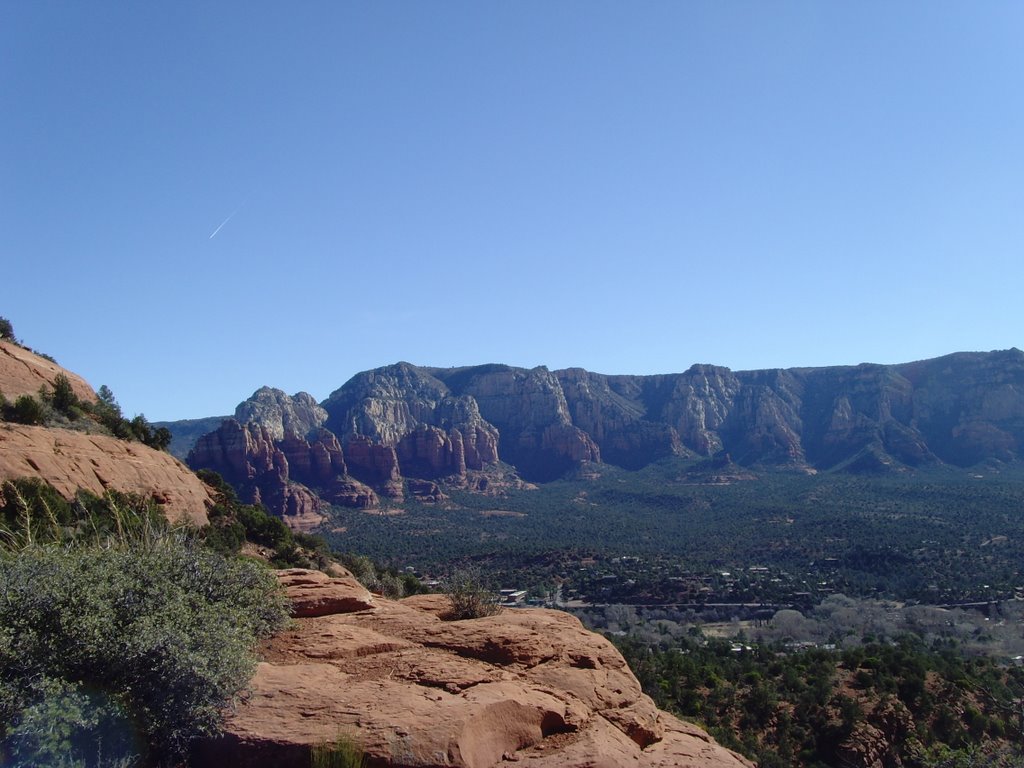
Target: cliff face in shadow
[402,422]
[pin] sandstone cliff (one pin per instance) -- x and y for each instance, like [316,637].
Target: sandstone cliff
[527,686]
[276,473]
[435,432]
[394,430]
[280,414]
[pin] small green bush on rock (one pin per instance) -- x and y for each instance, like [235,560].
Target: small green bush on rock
[470,598]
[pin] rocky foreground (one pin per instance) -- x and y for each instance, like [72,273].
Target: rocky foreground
[530,687]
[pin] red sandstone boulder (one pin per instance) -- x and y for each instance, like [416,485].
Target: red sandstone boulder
[313,593]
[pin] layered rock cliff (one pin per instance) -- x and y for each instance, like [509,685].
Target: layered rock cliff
[531,687]
[395,431]
[402,423]
[282,474]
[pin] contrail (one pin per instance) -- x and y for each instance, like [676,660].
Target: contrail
[240,206]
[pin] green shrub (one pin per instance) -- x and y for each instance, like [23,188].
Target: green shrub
[66,723]
[383,581]
[33,512]
[63,398]
[263,528]
[469,598]
[93,637]
[26,410]
[218,484]
[7,330]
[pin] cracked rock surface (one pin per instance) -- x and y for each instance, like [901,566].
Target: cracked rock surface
[526,686]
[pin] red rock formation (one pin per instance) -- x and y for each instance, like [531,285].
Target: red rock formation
[292,477]
[529,410]
[72,460]
[480,445]
[426,490]
[429,452]
[23,373]
[616,423]
[247,457]
[528,686]
[572,443]
[374,464]
[271,408]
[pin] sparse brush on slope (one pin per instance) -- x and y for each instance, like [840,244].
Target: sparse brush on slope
[233,523]
[34,513]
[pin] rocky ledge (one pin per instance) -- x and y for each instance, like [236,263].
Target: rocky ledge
[531,687]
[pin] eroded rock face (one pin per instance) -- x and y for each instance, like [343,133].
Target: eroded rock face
[532,417]
[292,477]
[528,686]
[280,414]
[616,422]
[445,425]
[72,460]
[248,458]
[435,433]
[375,464]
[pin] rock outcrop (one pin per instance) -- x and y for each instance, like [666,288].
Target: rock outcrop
[23,372]
[531,414]
[70,461]
[435,432]
[527,686]
[281,414]
[281,474]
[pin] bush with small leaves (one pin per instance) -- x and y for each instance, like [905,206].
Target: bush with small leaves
[160,636]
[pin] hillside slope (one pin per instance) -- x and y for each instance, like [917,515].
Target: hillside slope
[72,460]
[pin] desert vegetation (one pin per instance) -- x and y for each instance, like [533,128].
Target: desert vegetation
[122,639]
[58,405]
[658,536]
[469,597]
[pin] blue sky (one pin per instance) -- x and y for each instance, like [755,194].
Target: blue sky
[626,187]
